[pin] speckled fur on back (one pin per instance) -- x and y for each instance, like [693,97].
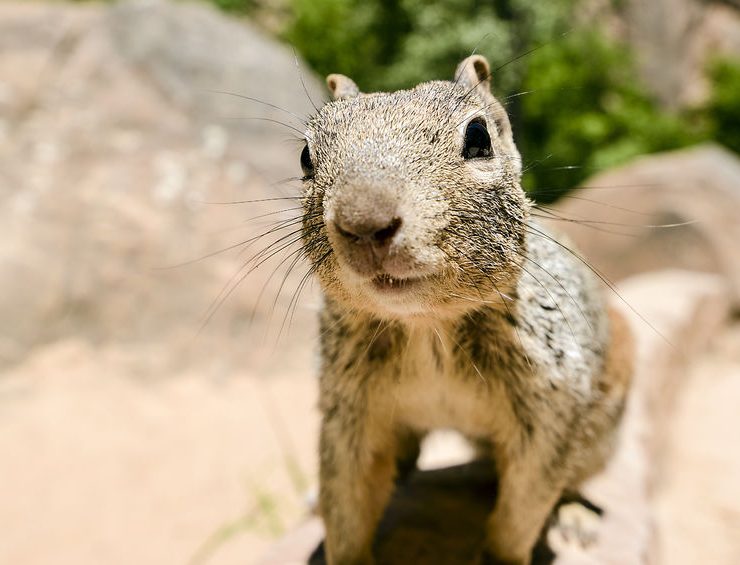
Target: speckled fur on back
[445,306]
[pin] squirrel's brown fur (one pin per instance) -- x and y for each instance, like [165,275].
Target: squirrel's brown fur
[445,306]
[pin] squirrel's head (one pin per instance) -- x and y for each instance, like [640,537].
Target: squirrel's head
[412,199]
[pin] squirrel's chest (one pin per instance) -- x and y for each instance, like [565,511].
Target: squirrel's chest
[439,387]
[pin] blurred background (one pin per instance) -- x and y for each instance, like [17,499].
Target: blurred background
[157,331]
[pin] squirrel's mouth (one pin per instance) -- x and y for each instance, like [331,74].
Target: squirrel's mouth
[389,283]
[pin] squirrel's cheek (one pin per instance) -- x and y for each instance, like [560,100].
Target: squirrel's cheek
[483,172]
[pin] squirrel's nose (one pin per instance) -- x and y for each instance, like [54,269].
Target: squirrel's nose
[379,234]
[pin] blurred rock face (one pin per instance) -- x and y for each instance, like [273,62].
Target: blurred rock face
[111,141]
[674,41]
[674,210]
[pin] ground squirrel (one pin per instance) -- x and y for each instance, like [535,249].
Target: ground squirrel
[446,306]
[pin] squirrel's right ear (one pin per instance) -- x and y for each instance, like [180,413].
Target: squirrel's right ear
[342,87]
[474,72]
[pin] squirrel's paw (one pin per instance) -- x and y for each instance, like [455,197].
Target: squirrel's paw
[575,527]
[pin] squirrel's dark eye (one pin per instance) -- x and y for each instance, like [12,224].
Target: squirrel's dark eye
[306,163]
[477,141]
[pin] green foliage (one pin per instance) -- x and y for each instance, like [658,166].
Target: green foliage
[586,111]
[723,109]
[573,96]
[391,44]
[236,6]
[341,35]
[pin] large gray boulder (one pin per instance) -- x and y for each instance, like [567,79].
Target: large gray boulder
[672,210]
[111,140]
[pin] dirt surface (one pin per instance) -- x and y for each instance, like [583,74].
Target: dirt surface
[99,467]
[698,496]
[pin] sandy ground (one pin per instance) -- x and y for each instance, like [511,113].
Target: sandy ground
[698,499]
[99,467]
[102,468]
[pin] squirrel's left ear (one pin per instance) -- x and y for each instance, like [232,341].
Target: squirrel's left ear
[474,72]
[341,87]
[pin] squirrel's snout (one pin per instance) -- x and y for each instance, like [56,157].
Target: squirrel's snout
[366,220]
[375,232]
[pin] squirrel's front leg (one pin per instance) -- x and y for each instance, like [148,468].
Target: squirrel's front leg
[527,492]
[356,480]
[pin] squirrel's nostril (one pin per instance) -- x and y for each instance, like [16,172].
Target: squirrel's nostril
[385,234]
[369,234]
[346,233]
